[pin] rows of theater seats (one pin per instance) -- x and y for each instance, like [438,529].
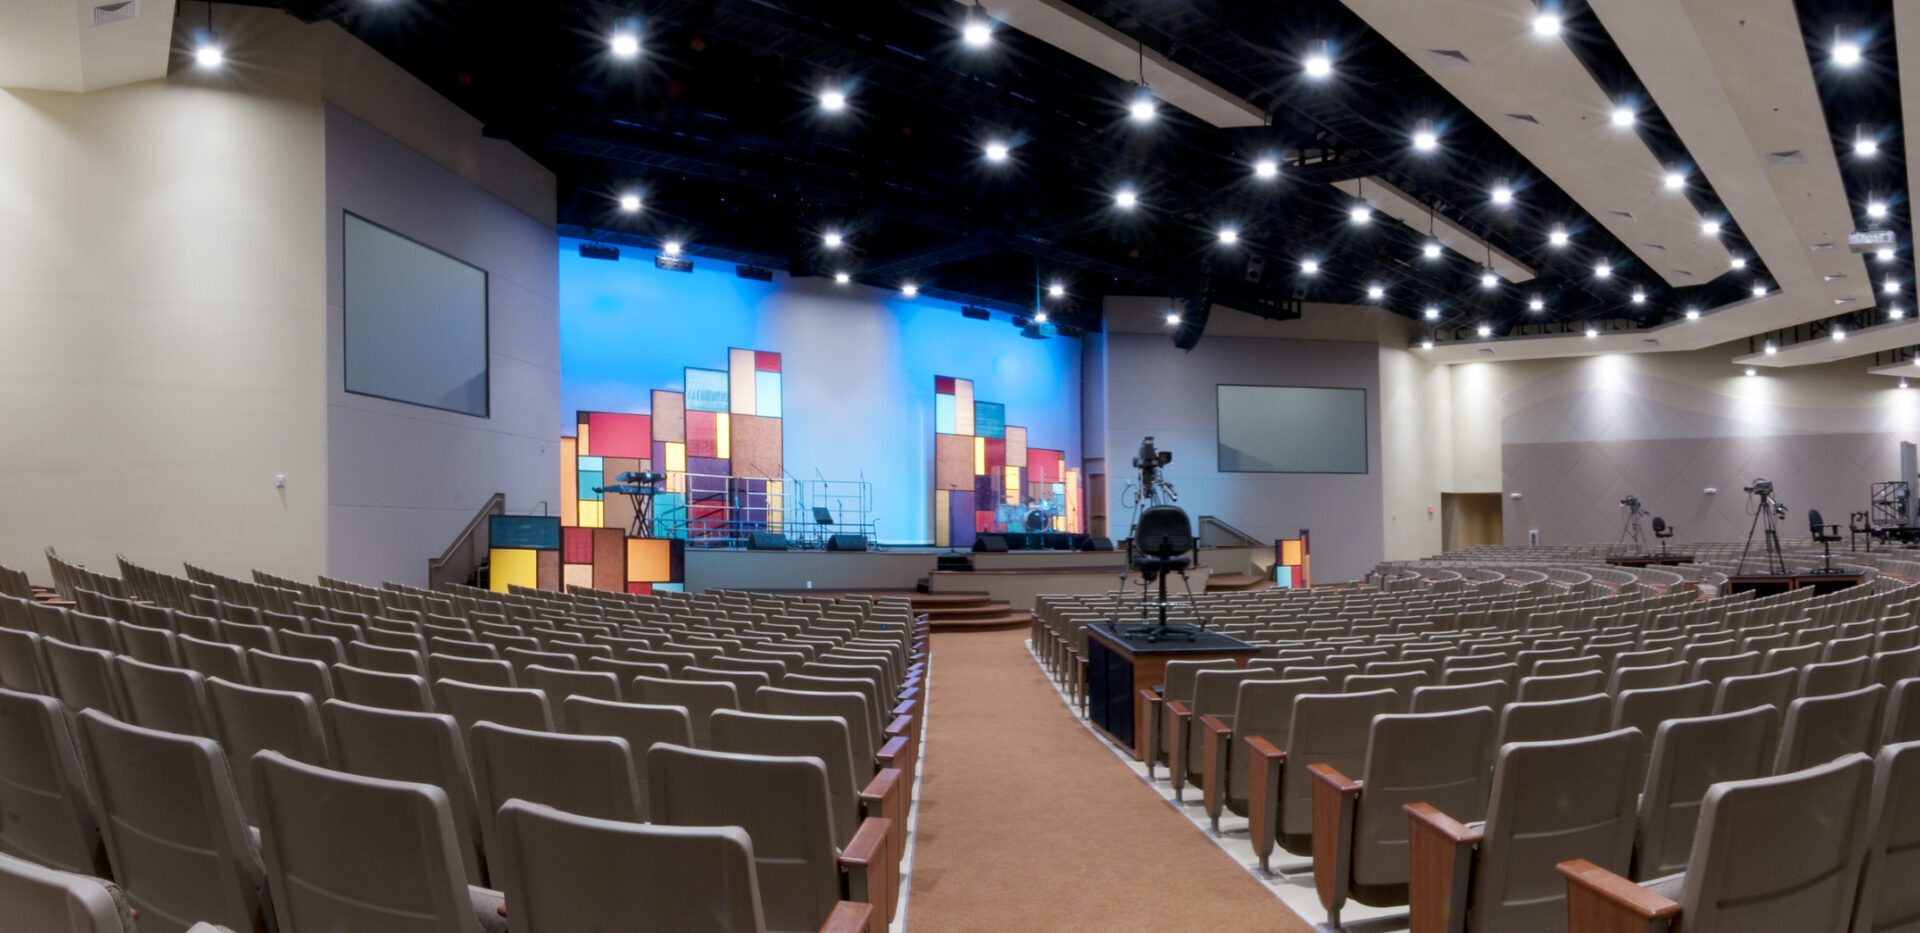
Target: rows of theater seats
[278,756]
[1713,748]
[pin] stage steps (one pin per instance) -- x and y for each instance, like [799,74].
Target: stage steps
[950,612]
[1236,582]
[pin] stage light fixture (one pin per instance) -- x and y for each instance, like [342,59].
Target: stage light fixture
[1622,116]
[1546,25]
[1896,312]
[1557,237]
[910,290]
[1839,333]
[208,53]
[630,203]
[1266,168]
[832,240]
[1126,199]
[1675,178]
[1173,317]
[1759,291]
[1592,332]
[1693,314]
[1710,227]
[1425,137]
[1602,270]
[1892,287]
[1056,290]
[1536,304]
[1431,250]
[1375,292]
[1886,255]
[1229,236]
[977,31]
[624,43]
[997,151]
[671,247]
[1040,316]
[1864,144]
[1488,279]
[1846,47]
[1426,344]
[1770,349]
[833,101]
[1143,106]
[1876,209]
[1319,59]
[1360,214]
[1739,262]
[1486,330]
[1502,192]
[1639,297]
[1309,267]
[841,278]
[1752,372]
[1433,312]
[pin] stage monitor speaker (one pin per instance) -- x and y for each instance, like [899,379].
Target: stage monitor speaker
[954,562]
[847,543]
[767,541]
[1098,544]
[991,543]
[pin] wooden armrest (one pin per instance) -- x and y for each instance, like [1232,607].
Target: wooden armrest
[1149,743]
[1179,720]
[886,796]
[1216,746]
[905,707]
[1335,798]
[1440,857]
[901,725]
[1263,796]
[1599,901]
[847,917]
[871,871]
[898,753]
[893,749]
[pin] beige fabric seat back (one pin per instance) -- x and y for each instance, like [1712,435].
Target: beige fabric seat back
[591,775]
[470,704]
[424,748]
[1780,854]
[1644,678]
[1553,720]
[1733,665]
[575,873]
[170,699]
[1646,709]
[1901,722]
[152,645]
[1182,677]
[366,687]
[43,900]
[295,675]
[1262,709]
[745,683]
[782,803]
[227,662]
[1433,758]
[1330,729]
[1770,688]
[1889,900]
[879,703]
[1818,680]
[1819,729]
[699,697]
[851,708]
[346,852]
[174,831]
[48,807]
[249,719]
[822,737]
[1402,686]
[386,659]
[1689,756]
[1492,694]
[23,665]
[1552,801]
[83,677]
[561,683]
[1560,686]
[487,672]
[1216,692]
[643,727]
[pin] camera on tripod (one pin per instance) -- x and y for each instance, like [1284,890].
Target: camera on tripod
[1150,459]
[1759,487]
[1632,503]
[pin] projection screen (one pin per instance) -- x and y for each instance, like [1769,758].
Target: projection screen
[1292,429]
[415,326]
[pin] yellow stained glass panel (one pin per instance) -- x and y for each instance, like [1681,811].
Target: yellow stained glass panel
[592,514]
[513,567]
[676,458]
[722,436]
[979,456]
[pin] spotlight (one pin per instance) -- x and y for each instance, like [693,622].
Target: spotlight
[910,290]
[1143,106]
[630,203]
[1229,236]
[1431,250]
[1675,179]
[1622,115]
[841,278]
[997,152]
[1886,255]
[1360,214]
[1488,279]
[1319,60]
[1126,199]
[1759,291]
[1903,382]
[1056,290]
[671,247]
[1892,287]
[1865,145]
[1425,138]
[1739,262]
[208,53]
[1693,314]
[1040,316]
[1536,304]
[1546,24]
[1486,330]
[1846,48]
[624,44]
[833,101]
[1639,297]
[1592,332]
[1173,317]
[1896,312]
[832,240]
[1770,348]
[1375,292]
[1602,270]
[1839,334]
[1266,168]
[1502,192]
[1752,372]
[1557,237]
[1876,209]
[1433,312]
[1426,344]
[978,29]
[1710,228]
[1310,267]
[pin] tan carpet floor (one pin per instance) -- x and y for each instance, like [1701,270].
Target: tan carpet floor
[1028,822]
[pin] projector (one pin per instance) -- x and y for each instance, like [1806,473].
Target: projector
[1872,241]
[589,251]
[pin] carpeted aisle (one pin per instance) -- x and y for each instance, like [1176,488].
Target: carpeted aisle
[1028,822]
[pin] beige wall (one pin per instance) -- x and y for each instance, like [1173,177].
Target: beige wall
[161,304]
[1416,457]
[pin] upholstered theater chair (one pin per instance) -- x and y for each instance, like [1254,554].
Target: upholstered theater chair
[571,873]
[1645,709]
[386,690]
[1818,729]
[855,796]
[1327,729]
[44,900]
[1776,854]
[1689,756]
[1552,720]
[1215,692]
[1889,900]
[248,719]
[592,775]
[43,788]
[424,748]
[170,699]
[1178,686]
[896,748]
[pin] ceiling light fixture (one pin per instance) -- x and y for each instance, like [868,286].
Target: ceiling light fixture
[910,290]
[1864,144]
[1319,59]
[1056,290]
[1173,317]
[1896,312]
[833,101]
[1143,105]
[1622,115]
[1488,279]
[1229,236]
[1376,292]
[1426,344]
[1710,228]
[1557,237]
[1639,297]
[1486,330]
[1752,372]
[630,203]
[1425,137]
[1892,287]
[1125,199]
[1431,250]
[671,247]
[841,278]
[1266,168]
[1739,262]
[1502,192]
[207,52]
[1886,255]
[1770,348]
[997,151]
[1546,24]
[1310,266]
[1693,314]
[1759,290]
[1433,312]
[1846,46]
[977,31]
[624,43]
[1536,304]
[1675,178]
[1839,334]
[1602,269]
[832,240]
[1876,209]
[1040,316]
[1360,214]
[1592,332]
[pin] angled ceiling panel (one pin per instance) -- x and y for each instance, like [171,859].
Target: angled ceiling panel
[83,45]
[1407,209]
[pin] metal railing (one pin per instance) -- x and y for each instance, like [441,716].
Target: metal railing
[468,550]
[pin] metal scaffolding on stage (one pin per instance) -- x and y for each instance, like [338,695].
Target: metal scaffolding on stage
[722,511]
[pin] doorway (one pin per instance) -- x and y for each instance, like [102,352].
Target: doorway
[1469,519]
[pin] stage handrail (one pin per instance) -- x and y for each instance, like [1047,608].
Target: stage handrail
[468,550]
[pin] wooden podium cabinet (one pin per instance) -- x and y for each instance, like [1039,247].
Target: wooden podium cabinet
[1121,664]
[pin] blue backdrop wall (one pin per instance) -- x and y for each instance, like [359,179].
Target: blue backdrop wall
[858,366]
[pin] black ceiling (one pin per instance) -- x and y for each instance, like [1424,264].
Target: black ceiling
[717,124]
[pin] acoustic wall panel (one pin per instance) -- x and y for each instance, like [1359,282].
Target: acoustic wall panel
[1016,446]
[576,545]
[649,560]
[532,532]
[580,575]
[701,434]
[569,481]
[989,419]
[943,417]
[742,391]
[953,462]
[756,446]
[620,435]
[547,569]
[963,406]
[609,559]
[707,390]
[669,416]
[591,514]
[512,567]
[766,391]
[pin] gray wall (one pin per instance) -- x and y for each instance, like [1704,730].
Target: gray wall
[1155,389]
[402,479]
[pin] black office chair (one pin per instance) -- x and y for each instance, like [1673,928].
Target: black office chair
[1823,533]
[1662,531]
